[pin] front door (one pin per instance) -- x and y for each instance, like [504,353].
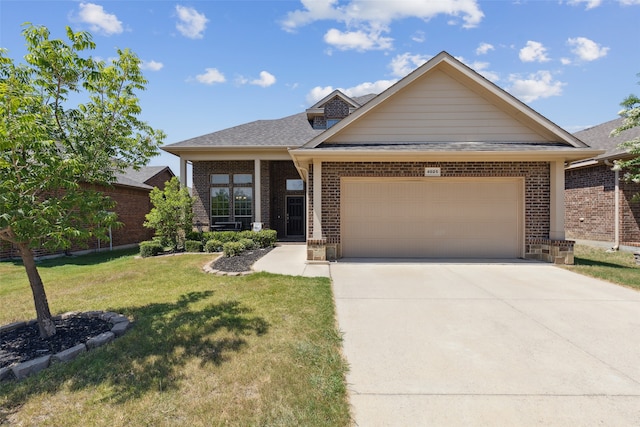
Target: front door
[295,215]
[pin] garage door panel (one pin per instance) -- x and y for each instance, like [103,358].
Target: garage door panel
[454,218]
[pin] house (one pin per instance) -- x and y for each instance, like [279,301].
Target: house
[130,192]
[442,164]
[599,201]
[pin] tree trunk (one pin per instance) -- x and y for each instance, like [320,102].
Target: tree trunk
[45,322]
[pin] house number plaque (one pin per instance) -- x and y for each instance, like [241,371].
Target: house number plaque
[431,171]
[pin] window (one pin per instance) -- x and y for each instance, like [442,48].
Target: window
[232,198]
[219,204]
[295,185]
[332,122]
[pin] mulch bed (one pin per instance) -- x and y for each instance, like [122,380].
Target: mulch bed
[240,263]
[24,343]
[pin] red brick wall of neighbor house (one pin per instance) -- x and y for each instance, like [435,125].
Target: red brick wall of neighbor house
[589,203]
[160,179]
[132,205]
[629,213]
[536,174]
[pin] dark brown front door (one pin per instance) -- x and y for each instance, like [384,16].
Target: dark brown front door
[295,216]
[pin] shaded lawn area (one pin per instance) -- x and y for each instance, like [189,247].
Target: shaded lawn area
[617,267]
[204,350]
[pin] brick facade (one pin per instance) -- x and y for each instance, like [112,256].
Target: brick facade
[131,206]
[536,175]
[590,206]
[273,177]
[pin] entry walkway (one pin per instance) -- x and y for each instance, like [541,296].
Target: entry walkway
[290,259]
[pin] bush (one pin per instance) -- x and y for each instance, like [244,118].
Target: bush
[193,246]
[213,245]
[194,235]
[266,238]
[150,248]
[226,236]
[232,249]
[247,243]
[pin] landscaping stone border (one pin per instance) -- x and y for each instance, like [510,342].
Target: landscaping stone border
[119,325]
[208,268]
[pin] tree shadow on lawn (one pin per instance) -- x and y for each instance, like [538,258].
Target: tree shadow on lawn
[594,263]
[87,259]
[153,354]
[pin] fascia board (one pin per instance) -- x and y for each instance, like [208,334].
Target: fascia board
[478,156]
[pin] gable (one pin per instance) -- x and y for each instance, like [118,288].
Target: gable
[438,108]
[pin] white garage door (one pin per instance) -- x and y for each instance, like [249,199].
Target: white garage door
[432,217]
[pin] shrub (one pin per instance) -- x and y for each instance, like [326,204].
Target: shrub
[209,235]
[247,243]
[213,245]
[194,235]
[226,236]
[150,248]
[232,249]
[193,246]
[266,238]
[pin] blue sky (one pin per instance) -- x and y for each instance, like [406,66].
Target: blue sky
[216,64]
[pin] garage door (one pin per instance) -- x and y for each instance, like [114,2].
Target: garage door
[432,217]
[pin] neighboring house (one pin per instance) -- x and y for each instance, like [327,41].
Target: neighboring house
[598,200]
[443,164]
[131,194]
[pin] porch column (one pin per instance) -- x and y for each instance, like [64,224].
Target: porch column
[183,172]
[257,199]
[317,199]
[556,202]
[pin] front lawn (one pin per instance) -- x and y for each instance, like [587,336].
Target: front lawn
[204,350]
[617,267]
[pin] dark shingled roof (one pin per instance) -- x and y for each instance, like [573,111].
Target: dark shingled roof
[290,131]
[599,137]
[138,178]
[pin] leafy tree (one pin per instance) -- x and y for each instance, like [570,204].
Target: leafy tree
[631,114]
[172,214]
[68,124]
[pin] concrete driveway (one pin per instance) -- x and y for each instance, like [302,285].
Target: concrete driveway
[514,344]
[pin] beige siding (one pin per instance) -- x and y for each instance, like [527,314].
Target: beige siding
[436,108]
[432,217]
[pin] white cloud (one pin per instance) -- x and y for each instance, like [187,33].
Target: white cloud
[535,86]
[152,65]
[420,37]
[366,20]
[319,92]
[484,48]
[100,21]
[266,79]
[357,40]
[533,52]
[191,23]
[211,76]
[587,50]
[403,64]
[590,4]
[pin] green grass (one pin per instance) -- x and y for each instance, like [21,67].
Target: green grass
[259,350]
[617,267]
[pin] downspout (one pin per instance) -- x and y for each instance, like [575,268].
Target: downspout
[616,204]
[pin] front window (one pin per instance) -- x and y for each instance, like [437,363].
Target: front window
[232,198]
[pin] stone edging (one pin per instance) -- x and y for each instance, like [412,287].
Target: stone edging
[208,268]
[119,325]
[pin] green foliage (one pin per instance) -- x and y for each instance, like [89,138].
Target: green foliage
[54,148]
[195,235]
[213,245]
[631,115]
[232,249]
[247,243]
[193,246]
[172,212]
[226,236]
[265,238]
[150,248]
